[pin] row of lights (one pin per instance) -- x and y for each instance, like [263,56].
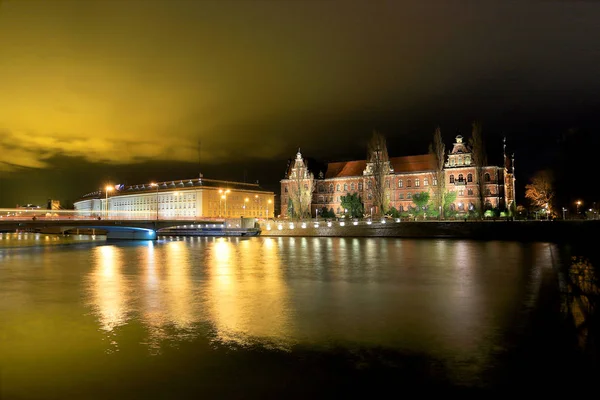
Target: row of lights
[303,225]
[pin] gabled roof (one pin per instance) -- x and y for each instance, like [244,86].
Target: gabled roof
[420,163]
[345,169]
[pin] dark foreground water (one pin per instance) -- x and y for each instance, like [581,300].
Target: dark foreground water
[277,317]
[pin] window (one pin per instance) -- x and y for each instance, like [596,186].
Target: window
[360,186]
[285,189]
[425,181]
[345,187]
[451,178]
[467,160]
[470,192]
[461,192]
[369,185]
[370,196]
[471,206]
[452,161]
[461,206]
[434,181]
[337,187]
[352,187]
[409,195]
[461,178]
[460,161]
[401,196]
[321,188]
[486,177]
[470,178]
[408,183]
[488,192]
[417,182]
[331,188]
[400,183]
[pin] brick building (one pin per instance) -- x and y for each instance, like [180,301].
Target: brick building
[407,175]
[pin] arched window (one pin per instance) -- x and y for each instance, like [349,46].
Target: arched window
[471,206]
[369,185]
[352,186]
[285,189]
[461,206]
[461,178]
[452,207]
[470,192]
[451,178]
[486,177]
[345,187]
[417,182]
[401,196]
[337,187]
[409,195]
[426,181]
[400,183]
[408,183]
[470,178]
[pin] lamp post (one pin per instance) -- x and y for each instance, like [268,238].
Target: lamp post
[578,204]
[156,186]
[107,189]
[564,213]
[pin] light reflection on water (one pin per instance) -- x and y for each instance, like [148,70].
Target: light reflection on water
[454,301]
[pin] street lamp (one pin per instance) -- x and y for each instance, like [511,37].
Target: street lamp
[107,189]
[156,186]
[564,213]
[578,204]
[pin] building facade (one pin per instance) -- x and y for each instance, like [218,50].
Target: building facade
[179,199]
[407,176]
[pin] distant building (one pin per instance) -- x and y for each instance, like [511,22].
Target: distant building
[53,205]
[186,199]
[407,176]
[28,207]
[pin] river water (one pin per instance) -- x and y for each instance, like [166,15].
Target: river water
[272,317]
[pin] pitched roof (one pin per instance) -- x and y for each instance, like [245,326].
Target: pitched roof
[407,164]
[420,163]
[345,169]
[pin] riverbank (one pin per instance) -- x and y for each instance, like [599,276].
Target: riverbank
[553,231]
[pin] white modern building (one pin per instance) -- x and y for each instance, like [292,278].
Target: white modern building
[179,199]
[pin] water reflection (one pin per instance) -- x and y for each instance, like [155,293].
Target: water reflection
[110,292]
[246,293]
[436,296]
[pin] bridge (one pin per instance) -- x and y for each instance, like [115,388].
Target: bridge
[114,227]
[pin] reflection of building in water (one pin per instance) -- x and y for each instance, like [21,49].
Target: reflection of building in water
[168,306]
[247,296]
[109,289]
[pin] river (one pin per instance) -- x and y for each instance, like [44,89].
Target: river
[273,317]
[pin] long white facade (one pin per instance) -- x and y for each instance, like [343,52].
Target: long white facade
[184,199]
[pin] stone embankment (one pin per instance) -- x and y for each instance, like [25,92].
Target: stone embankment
[488,230]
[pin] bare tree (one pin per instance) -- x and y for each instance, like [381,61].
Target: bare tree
[479,158]
[301,187]
[541,190]
[379,167]
[438,150]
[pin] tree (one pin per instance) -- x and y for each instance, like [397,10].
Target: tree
[438,150]
[479,157]
[379,167]
[301,188]
[420,200]
[353,203]
[325,213]
[449,199]
[541,190]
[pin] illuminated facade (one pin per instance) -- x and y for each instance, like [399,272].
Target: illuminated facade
[180,199]
[407,176]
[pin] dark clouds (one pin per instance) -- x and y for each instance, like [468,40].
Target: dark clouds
[129,83]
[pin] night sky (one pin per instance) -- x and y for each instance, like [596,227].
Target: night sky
[96,92]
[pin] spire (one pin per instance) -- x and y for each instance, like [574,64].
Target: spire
[298,154]
[504,152]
